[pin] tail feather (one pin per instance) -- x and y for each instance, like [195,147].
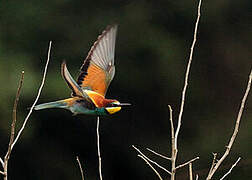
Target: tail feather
[55,104]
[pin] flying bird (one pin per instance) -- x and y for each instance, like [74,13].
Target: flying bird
[96,74]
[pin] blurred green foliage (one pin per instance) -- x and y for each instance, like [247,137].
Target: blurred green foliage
[152,49]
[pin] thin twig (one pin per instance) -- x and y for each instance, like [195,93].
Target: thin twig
[13,140]
[173,149]
[197,177]
[190,171]
[38,95]
[13,125]
[147,162]
[187,75]
[81,170]
[1,161]
[14,115]
[175,139]
[158,154]
[213,162]
[98,148]
[236,128]
[186,163]
[231,168]
[148,159]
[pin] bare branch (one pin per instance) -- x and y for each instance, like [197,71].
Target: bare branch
[98,148]
[187,76]
[197,177]
[1,172]
[1,161]
[13,125]
[158,154]
[186,163]
[38,95]
[231,168]
[147,162]
[173,148]
[175,138]
[81,170]
[13,140]
[172,128]
[14,117]
[190,171]
[236,128]
[174,135]
[213,162]
[148,159]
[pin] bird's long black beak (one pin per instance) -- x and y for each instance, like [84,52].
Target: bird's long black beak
[124,104]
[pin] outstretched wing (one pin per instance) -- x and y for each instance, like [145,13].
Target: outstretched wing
[98,68]
[77,91]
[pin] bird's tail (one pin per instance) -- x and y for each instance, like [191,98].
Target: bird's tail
[55,104]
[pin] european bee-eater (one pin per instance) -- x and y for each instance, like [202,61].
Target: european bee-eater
[97,71]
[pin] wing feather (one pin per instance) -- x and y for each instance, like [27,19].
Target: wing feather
[77,91]
[98,68]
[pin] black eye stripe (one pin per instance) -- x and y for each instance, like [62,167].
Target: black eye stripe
[112,105]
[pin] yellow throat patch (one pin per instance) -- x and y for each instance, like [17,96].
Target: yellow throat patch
[113,110]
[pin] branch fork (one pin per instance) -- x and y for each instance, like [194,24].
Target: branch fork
[13,140]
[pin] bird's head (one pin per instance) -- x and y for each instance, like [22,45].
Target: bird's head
[115,106]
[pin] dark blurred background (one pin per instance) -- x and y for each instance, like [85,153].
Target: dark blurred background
[152,49]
